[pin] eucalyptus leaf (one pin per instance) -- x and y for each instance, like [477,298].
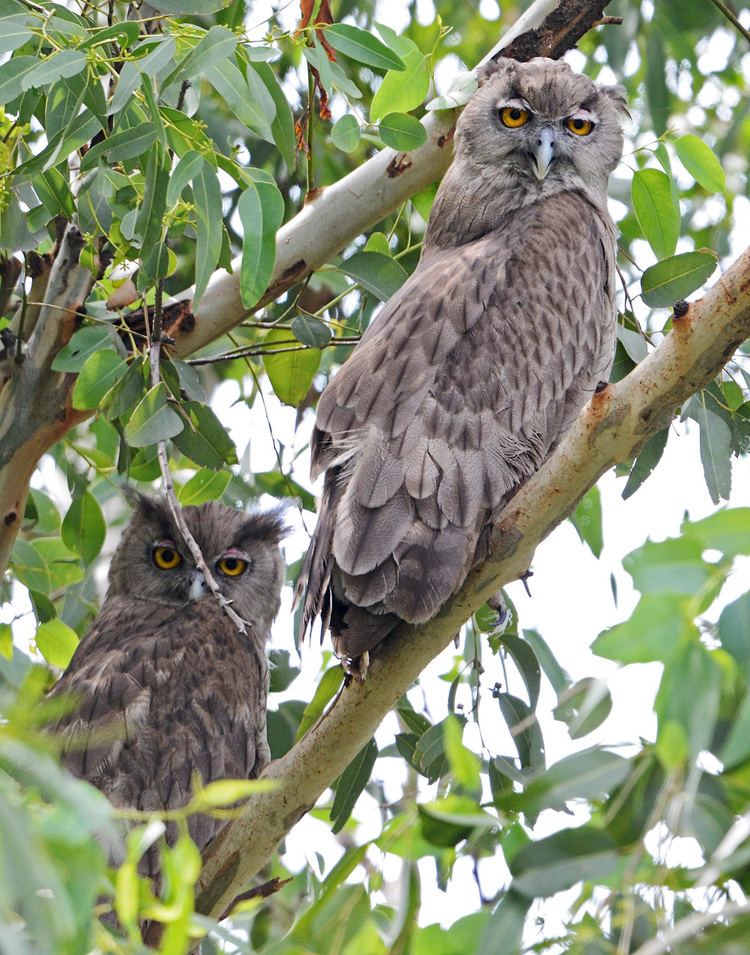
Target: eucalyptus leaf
[675,278]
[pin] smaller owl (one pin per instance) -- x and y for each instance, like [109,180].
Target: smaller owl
[165,686]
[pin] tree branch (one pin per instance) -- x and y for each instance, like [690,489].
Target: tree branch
[611,429]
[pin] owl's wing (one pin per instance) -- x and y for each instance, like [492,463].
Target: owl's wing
[458,391]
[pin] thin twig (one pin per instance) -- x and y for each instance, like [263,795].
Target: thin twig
[257,351]
[166,475]
[261,891]
[732,17]
[689,927]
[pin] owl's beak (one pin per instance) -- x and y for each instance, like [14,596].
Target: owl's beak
[198,586]
[544,152]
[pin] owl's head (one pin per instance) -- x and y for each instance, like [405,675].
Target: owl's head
[548,124]
[152,562]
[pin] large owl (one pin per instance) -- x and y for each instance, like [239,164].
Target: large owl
[165,685]
[470,375]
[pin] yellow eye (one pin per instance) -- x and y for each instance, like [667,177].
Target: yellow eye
[166,558]
[232,566]
[514,116]
[579,125]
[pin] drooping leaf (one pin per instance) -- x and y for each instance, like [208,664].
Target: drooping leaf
[655,631]
[290,370]
[463,763]
[727,530]
[689,695]
[670,566]
[327,687]
[524,728]
[310,331]
[255,107]
[261,211]
[587,520]
[83,528]
[214,47]
[351,783]
[282,127]
[645,463]
[63,63]
[675,278]
[716,449]
[29,566]
[655,208]
[189,166]
[209,227]
[124,144]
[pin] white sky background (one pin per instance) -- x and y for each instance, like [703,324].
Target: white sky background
[571,599]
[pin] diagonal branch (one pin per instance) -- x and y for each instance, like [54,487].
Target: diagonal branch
[611,429]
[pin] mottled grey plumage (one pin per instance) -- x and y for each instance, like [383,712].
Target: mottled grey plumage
[165,684]
[467,379]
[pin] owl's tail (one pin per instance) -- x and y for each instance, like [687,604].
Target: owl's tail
[320,595]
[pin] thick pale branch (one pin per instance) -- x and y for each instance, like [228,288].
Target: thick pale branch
[611,428]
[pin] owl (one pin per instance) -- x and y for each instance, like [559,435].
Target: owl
[164,686]
[469,376]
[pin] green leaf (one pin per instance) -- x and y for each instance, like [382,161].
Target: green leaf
[734,628]
[149,223]
[524,728]
[351,783]
[310,331]
[645,463]
[204,485]
[12,75]
[589,774]
[124,144]
[402,132]
[727,530]
[225,792]
[83,528]
[552,669]
[655,631]
[282,127]
[207,442]
[252,104]
[736,748]
[153,420]
[363,47]
[675,278]
[401,90]
[716,449]
[29,566]
[655,209]
[101,371]
[214,47]
[525,660]
[64,63]
[190,8]
[584,706]
[325,691]
[209,227]
[189,166]
[587,520]
[657,92]
[673,566]
[6,641]
[282,673]
[83,343]
[126,393]
[56,642]
[378,273]
[291,371]
[464,764]
[14,32]
[506,922]
[346,134]
[701,162]
[689,694]
[261,211]
[573,855]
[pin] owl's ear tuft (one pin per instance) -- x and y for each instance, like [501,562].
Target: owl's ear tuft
[618,96]
[269,526]
[492,67]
